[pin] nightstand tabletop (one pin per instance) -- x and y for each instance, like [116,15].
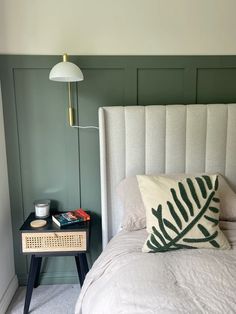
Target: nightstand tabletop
[51,226]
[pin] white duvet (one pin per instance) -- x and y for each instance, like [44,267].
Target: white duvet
[125,280]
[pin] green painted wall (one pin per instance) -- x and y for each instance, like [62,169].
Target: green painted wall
[47,159]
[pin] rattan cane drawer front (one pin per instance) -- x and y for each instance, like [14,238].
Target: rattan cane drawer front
[54,242]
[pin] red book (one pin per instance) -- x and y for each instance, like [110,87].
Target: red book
[80,212]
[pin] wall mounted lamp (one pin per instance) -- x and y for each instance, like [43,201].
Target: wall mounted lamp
[66,71]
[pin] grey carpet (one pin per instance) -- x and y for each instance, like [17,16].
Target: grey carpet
[47,299]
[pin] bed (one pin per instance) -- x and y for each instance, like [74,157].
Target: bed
[161,140]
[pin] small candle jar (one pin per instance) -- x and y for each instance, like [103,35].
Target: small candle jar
[42,208]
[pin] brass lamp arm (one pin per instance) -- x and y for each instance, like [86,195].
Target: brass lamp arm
[71,113]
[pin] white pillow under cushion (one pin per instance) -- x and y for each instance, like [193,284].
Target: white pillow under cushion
[182,213]
[134,216]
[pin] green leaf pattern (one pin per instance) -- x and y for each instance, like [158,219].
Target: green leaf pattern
[193,202]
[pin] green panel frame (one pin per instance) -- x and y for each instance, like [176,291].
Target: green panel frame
[154,86]
[46,158]
[107,88]
[219,82]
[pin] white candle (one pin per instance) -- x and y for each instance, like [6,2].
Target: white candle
[42,208]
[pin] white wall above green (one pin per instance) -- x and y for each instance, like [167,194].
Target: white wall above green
[124,27]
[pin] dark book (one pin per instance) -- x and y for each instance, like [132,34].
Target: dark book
[71,217]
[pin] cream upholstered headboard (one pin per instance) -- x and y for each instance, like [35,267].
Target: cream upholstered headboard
[162,139]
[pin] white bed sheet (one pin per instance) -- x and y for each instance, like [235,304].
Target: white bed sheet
[125,280]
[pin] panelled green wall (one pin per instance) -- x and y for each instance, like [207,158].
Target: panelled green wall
[47,159]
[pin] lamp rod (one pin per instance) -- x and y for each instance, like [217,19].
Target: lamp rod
[70,108]
[65,57]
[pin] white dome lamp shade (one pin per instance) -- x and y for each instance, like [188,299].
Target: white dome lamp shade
[66,71]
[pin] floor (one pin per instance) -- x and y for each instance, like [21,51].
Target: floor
[47,299]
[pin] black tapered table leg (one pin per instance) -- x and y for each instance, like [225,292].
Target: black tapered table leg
[81,277]
[82,266]
[36,282]
[83,263]
[34,263]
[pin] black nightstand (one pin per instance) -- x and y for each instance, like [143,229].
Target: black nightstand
[52,240]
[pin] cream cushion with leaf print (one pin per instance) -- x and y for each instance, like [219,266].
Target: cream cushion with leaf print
[182,213]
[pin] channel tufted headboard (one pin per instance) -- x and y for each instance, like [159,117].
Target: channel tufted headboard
[162,139]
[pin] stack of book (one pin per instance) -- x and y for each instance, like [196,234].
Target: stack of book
[71,217]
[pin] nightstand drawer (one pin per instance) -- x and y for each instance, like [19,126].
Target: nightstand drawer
[33,242]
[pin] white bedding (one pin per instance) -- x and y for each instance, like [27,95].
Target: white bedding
[125,280]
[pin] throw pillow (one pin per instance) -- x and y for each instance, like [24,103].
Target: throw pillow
[182,213]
